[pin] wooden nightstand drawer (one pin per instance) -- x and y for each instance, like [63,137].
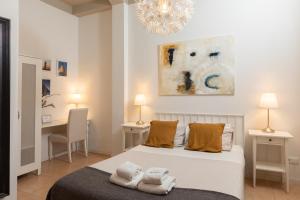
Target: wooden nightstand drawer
[131,130]
[270,141]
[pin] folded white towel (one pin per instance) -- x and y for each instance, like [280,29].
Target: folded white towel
[128,170]
[155,175]
[114,178]
[164,188]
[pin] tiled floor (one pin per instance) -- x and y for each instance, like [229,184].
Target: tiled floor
[267,190]
[31,187]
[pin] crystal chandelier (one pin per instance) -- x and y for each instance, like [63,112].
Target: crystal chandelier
[164,16]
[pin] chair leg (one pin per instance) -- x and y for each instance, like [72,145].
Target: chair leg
[50,150]
[85,148]
[70,152]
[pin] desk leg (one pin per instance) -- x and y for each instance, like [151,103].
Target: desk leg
[87,136]
[141,137]
[131,140]
[123,140]
[254,161]
[85,148]
[286,163]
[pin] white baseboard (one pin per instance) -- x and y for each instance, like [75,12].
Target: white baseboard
[294,180]
[65,153]
[100,152]
[60,154]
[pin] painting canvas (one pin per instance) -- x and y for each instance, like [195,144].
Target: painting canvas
[46,87]
[47,65]
[197,67]
[62,68]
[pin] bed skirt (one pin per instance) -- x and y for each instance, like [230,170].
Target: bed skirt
[92,184]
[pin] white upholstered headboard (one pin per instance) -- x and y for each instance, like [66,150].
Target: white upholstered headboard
[236,121]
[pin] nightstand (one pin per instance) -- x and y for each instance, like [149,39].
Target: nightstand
[279,138]
[132,129]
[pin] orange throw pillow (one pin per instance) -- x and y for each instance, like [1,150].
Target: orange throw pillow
[162,134]
[205,137]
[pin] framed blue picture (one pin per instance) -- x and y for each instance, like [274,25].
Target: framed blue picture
[62,68]
[46,90]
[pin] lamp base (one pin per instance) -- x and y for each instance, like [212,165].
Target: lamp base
[140,122]
[268,130]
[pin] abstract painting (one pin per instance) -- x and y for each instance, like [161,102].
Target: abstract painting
[46,87]
[62,68]
[197,67]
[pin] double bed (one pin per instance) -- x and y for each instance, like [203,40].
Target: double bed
[199,175]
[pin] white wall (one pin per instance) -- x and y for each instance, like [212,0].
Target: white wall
[10,9]
[49,33]
[267,37]
[119,73]
[95,38]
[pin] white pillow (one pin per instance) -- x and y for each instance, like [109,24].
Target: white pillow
[227,141]
[179,136]
[228,128]
[187,132]
[227,137]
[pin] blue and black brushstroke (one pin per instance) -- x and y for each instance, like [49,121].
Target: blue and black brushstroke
[214,54]
[193,54]
[187,80]
[171,55]
[208,79]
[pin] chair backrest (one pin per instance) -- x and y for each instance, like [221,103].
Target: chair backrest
[77,124]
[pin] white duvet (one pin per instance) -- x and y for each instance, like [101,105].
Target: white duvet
[220,172]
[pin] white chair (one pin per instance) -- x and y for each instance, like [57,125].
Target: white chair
[76,132]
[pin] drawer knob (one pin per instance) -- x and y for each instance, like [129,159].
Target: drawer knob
[270,140]
[131,129]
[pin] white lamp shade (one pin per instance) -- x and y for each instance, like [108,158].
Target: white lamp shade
[269,100]
[140,100]
[75,98]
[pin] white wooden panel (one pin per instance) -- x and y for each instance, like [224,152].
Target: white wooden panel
[236,121]
[35,164]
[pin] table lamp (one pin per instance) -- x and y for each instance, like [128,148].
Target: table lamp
[76,99]
[268,101]
[140,101]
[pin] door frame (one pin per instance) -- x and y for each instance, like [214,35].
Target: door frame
[5,110]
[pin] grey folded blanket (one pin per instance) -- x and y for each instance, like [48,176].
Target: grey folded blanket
[92,184]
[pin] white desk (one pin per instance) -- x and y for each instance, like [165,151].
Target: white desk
[55,123]
[60,122]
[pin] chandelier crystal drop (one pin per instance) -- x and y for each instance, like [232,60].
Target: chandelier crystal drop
[164,16]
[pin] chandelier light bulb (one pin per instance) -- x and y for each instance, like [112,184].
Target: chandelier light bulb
[164,6]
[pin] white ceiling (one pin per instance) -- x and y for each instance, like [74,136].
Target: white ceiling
[80,7]
[84,7]
[80,2]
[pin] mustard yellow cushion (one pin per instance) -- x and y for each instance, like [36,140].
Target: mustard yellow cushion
[205,137]
[162,134]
